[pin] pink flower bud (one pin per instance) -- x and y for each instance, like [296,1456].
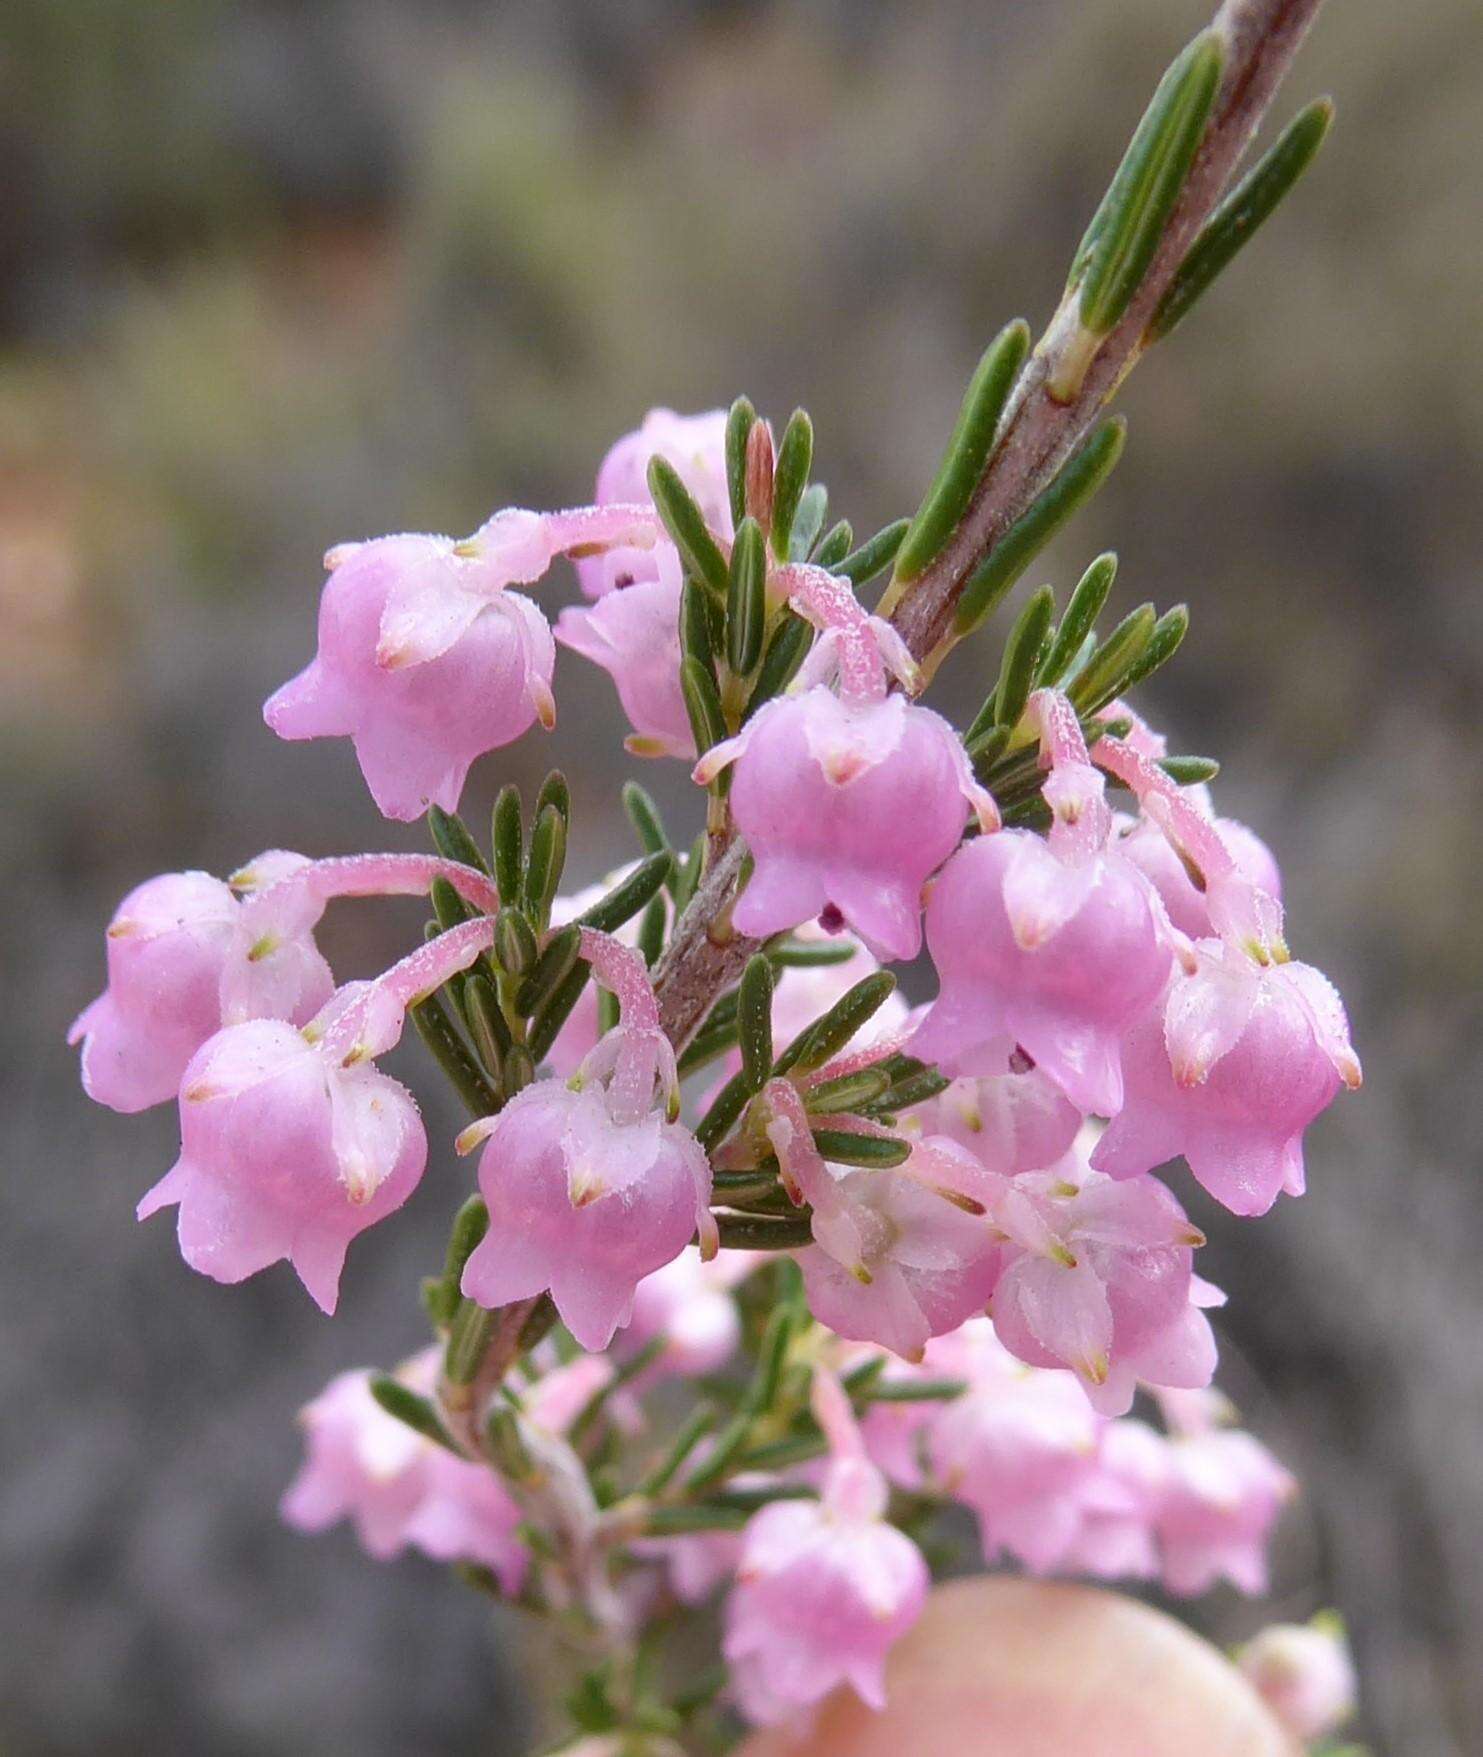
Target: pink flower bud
[1304,1673]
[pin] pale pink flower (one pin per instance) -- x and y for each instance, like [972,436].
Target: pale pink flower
[292,1142]
[1248,1047]
[1149,849]
[824,1589]
[898,1256]
[1097,1276]
[1304,1674]
[1055,944]
[634,635]
[689,1303]
[1020,1448]
[426,659]
[591,1189]
[1220,1501]
[848,800]
[167,943]
[396,1487]
[695,446]
[1011,1122]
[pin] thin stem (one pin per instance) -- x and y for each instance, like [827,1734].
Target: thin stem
[1038,433]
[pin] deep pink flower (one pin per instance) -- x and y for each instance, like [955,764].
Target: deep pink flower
[292,1142]
[426,660]
[591,1189]
[898,1256]
[824,1589]
[848,800]
[1055,944]
[1248,1047]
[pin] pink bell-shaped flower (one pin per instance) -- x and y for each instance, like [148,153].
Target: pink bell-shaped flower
[634,635]
[1010,1122]
[1020,1447]
[1220,1501]
[695,447]
[632,630]
[898,1256]
[849,800]
[1248,1047]
[824,1589]
[167,943]
[1097,1277]
[426,660]
[292,1143]
[187,956]
[396,1487]
[1055,944]
[589,1187]
[1149,849]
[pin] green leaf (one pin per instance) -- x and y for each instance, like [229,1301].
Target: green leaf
[452,840]
[448,906]
[967,452]
[1081,616]
[702,705]
[549,970]
[828,1034]
[515,943]
[746,599]
[739,424]
[549,1020]
[725,1108]
[1254,199]
[469,1226]
[699,625]
[846,1092]
[754,1021]
[545,862]
[629,895]
[789,954]
[1078,480]
[790,641]
[1023,651]
[686,525]
[508,841]
[415,1412]
[875,555]
[468,1341]
[834,545]
[691,871]
[808,521]
[1099,680]
[1163,643]
[795,459]
[555,791]
[915,1390]
[1190,771]
[692,1431]
[1142,195]
[650,939]
[845,1147]
[643,814]
[448,1049]
[487,1025]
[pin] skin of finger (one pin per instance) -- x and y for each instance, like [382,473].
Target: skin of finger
[1023,1668]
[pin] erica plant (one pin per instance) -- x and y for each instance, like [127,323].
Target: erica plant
[765,1269]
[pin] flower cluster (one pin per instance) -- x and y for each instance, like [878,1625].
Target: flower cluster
[973,1271]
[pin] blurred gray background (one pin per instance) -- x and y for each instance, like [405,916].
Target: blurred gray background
[274,275]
